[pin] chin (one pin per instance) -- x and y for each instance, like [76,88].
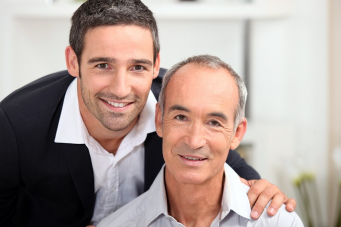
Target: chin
[191,178]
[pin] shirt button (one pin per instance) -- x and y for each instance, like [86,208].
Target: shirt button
[113,189]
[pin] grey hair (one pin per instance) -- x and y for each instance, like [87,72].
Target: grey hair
[213,63]
[95,13]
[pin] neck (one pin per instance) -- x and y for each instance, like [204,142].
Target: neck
[109,140]
[194,205]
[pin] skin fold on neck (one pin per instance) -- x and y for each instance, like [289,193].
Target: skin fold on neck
[194,205]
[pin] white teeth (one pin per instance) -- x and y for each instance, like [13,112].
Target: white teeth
[116,104]
[194,159]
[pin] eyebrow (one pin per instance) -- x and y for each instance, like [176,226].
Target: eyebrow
[219,115]
[101,59]
[113,60]
[142,61]
[213,114]
[178,107]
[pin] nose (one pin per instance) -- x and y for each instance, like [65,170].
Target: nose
[195,137]
[120,85]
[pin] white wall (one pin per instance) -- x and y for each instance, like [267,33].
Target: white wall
[290,85]
[335,103]
[289,78]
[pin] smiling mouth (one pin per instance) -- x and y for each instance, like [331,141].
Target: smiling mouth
[117,104]
[193,159]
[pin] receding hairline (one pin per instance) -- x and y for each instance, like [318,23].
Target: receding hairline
[203,66]
[214,68]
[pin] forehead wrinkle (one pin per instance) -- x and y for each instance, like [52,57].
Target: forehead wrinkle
[226,103]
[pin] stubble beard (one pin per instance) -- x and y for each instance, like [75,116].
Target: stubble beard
[112,121]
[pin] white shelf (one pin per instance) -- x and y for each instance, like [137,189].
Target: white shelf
[55,11]
[207,10]
[171,10]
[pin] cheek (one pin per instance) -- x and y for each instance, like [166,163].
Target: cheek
[220,145]
[172,137]
[169,141]
[93,85]
[142,88]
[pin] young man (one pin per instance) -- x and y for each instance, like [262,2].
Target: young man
[77,145]
[200,116]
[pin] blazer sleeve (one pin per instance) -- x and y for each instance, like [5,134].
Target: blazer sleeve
[239,165]
[9,171]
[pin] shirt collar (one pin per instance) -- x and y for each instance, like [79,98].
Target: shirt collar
[70,126]
[157,203]
[234,196]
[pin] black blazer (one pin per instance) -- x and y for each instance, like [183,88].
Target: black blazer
[43,183]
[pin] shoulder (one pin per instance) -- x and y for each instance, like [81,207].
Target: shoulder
[157,82]
[132,214]
[47,83]
[282,218]
[37,96]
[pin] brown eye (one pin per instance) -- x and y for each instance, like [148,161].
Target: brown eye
[138,68]
[102,66]
[214,123]
[181,117]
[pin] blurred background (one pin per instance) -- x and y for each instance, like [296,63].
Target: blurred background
[289,53]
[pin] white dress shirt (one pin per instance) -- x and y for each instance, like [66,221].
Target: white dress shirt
[120,178]
[150,209]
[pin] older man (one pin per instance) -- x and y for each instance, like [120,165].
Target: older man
[77,145]
[200,117]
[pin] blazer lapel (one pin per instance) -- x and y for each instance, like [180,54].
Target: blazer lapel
[80,166]
[153,159]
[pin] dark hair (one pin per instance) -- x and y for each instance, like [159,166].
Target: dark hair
[95,13]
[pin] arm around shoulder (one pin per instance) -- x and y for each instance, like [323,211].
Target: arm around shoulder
[9,169]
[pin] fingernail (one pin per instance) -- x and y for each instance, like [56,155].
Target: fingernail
[272,210]
[290,208]
[254,214]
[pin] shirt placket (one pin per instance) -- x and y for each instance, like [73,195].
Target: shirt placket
[111,200]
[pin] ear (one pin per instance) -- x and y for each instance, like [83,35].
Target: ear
[158,120]
[239,134]
[71,61]
[156,66]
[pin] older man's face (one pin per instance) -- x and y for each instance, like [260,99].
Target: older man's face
[197,127]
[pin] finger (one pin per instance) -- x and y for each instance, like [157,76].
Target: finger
[290,205]
[253,182]
[264,198]
[244,181]
[277,201]
[256,188]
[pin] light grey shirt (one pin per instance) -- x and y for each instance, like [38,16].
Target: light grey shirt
[150,209]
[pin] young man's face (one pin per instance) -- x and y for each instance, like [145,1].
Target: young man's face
[198,120]
[116,73]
